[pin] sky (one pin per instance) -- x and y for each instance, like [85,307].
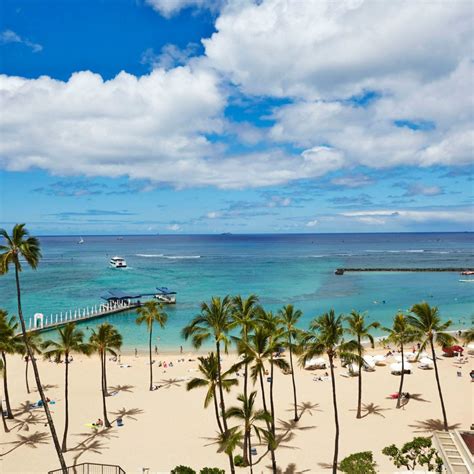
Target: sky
[197,116]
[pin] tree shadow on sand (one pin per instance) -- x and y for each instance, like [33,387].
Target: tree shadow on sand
[305,407]
[47,387]
[24,421]
[431,425]
[168,383]
[31,440]
[122,388]
[130,413]
[325,465]
[93,442]
[290,469]
[371,409]
[416,397]
[287,430]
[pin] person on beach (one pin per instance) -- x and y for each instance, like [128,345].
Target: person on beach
[180,349]
[136,352]
[156,349]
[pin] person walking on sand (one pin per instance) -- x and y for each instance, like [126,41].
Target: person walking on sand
[156,349]
[136,353]
[180,349]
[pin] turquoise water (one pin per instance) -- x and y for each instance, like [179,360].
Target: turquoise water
[281,269]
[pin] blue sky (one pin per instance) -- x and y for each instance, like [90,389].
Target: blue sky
[146,116]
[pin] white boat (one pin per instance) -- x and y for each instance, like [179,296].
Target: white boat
[165,295]
[118,262]
[80,241]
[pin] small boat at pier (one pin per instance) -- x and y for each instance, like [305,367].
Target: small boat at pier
[165,295]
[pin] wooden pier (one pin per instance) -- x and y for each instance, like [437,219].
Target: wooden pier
[341,271]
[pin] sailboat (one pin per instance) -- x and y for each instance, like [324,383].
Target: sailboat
[80,241]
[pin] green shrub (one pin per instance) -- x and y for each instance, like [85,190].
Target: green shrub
[239,460]
[418,452]
[359,463]
[211,470]
[182,470]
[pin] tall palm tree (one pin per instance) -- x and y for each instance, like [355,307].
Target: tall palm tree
[214,322]
[105,340]
[4,422]
[243,316]
[70,340]
[400,334]
[468,335]
[427,321]
[34,343]
[250,417]
[21,244]
[290,317]
[151,312]
[326,337]
[208,367]
[360,331]
[9,344]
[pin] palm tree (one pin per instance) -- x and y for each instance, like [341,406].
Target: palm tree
[360,330]
[20,244]
[243,316]
[468,335]
[214,321]
[105,340]
[70,340]
[34,343]
[208,367]
[427,321]
[4,422]
[289,318]
[149,313]
[9,344]
[326,337]
[400,333]
[250,417]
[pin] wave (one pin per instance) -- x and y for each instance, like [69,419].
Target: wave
[181,257]
[149,255]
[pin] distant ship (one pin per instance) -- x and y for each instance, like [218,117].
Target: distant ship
[226,233]
[118,262]
[80,241]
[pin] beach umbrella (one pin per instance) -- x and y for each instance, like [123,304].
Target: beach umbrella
[380,359]
[398,358]
[369,362]
[396,368]
[315,363]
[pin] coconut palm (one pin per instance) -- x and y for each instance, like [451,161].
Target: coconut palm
[326,337]
[151,312]
[105,340]
[214,322]
[70,340]
[208,367]
[427,322]
[34,343]
[10,343]
[360,330]
[250,417]
[243,317]
[400,334]
[468,335]
[289,318]
[21,244]
[4,422]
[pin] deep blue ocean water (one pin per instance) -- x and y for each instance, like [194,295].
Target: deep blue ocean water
[280,269]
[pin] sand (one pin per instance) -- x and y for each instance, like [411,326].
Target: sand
[169,426]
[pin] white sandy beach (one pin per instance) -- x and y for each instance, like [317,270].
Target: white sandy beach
[169,426]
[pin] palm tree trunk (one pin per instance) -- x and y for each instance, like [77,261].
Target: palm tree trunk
[216,409]
[26,374]
[106,391]
[221,395]
[5,388]
[336,417]
[246,440]
[66,405]
[359,395]
[272,408]
[5,426]
[37,377]
[249,437]
[399,399]
[104,406]
[269,426]
[296,418]
[445,419]
[151,363]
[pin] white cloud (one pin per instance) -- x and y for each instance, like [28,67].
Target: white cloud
[354,181]
[325,48]
[174,227]
[9,36]
[169,8]
[312,223]
[213,215]
[169,56]
[463,216]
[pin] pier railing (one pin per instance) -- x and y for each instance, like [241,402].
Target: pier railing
[40,322]
[91,468]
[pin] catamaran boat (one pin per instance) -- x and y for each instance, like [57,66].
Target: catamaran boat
[165,295]
[118,262]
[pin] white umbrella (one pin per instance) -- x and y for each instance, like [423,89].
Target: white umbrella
[396,368]
[470,348]
[315,363]
[353,369]
[369,363]
[425,363]
[380,359]
[398,358]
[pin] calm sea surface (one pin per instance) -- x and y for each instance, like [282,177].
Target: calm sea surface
[281,269]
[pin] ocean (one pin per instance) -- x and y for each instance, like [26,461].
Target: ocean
[280,269]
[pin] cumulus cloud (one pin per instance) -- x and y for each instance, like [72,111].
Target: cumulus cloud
[9,36]
[169,57]
[312,223]
[169,8]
